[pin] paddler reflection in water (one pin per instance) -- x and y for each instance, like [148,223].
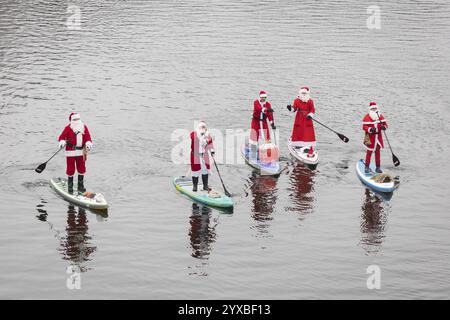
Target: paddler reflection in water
[77,141]
[201,145]
[201,233]
[76,245]
[373,124]
[262,112]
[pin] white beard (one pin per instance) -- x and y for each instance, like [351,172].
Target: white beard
[262,103]
[373,115]
[77,126]
[304,97]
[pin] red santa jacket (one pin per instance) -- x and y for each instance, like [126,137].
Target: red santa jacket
[75,142]
[260,114]
[377,137]
[303,131]
[197,148]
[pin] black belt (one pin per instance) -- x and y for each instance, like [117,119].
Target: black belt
[74,147]
[264,118]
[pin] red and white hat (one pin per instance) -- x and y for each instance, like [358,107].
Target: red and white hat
[304,90]
[373,106]
[74,116]
[262,94]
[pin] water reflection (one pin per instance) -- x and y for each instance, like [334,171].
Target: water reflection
[263,189]
[76,246]
[75,243]
[302,187]
[373,221]
[202,233]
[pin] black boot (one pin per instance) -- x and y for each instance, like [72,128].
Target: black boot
[81,187]
[378,170]
[70,185]
[366,170]
[194,183]
[205,182]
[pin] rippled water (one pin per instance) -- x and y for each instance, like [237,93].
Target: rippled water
[138,70]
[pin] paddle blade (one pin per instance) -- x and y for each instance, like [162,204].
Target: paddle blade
[41,167]
[395,160]
[343,138]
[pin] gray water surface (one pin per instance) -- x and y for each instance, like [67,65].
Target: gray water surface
[139,70]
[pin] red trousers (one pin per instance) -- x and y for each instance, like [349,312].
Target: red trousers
[377,156]
[80,164]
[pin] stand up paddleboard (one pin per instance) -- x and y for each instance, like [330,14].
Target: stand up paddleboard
[89,200]
[370,178]
[301,154]
[211,198]
[270,169]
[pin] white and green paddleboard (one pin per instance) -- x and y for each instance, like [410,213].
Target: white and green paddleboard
[212,198]
[87,199]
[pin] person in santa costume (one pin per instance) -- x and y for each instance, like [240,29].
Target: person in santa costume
[201,143]
[262,112]
[303,134]
[75,138]
[373,124]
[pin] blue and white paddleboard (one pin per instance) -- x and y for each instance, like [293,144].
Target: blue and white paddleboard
[367,179]
[270,169]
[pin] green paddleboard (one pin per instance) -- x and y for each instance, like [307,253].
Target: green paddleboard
[212,198]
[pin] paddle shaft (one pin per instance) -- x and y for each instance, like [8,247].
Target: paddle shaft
[53,155]
[220,177]
[340,135]
[394,157]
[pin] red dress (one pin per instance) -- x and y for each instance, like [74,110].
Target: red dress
[199,154]
[260,114]
[303,134]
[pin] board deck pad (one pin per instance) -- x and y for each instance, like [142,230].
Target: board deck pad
[86,199]
[212,198]
[367,179]
[300,153]
[265,169]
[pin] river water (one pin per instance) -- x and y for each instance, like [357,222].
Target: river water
[141,71]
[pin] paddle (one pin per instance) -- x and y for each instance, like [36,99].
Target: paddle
[395,160]
[42,166]
[223,185]
[340,135]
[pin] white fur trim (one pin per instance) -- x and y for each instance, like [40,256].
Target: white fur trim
[79,140]
[89,145]
[303,143]
[75,116]
[264,95]
[311,114]
[74,153]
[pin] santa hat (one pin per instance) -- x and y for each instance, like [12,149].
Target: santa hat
[304,90]
[74,116]
[262,94]
[201,124]
[373,105]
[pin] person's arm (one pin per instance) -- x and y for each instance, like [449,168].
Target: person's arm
[210,146]
[383,121]
[367,125]
[62,138]
[87,136]
[312,110]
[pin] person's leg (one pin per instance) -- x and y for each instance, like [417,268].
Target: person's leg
[70,171]
[367,162]
[195,180]
[81,168]
[204,172]
[378,159]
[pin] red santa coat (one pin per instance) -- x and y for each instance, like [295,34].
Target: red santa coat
[260,114]
[197,148]
[303,134]
[75,142]
[377,137]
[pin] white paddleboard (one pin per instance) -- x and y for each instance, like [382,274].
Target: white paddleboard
[301,153]
[367,179]
[87,199]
